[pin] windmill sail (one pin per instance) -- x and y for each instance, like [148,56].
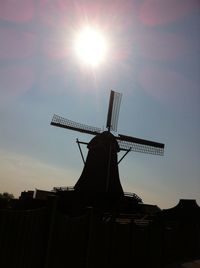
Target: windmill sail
[59,121]
[140,145]
[113,110]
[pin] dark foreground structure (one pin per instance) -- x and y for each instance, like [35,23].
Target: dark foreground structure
[44,233]
[95,224]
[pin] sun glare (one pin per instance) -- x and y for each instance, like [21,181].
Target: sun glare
[90,46]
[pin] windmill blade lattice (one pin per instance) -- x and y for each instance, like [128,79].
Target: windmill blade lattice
[140,145]
[113,110]
[59,121]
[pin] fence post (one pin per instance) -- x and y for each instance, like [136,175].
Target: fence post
[90,233]
[52,204]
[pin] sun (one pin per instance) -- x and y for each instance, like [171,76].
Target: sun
[90,46]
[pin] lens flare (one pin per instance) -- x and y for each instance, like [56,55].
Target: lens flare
[90,46]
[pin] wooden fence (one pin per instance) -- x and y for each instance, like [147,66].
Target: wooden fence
[48,238]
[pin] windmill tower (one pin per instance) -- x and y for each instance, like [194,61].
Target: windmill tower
[100,174]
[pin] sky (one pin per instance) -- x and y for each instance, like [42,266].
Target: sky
[153,60]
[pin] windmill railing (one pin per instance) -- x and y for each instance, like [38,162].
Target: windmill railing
[71,188]
[133,195]
[62,189]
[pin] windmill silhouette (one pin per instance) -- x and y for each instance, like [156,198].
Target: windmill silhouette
[100,174]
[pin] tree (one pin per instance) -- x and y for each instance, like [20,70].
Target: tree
[6,195]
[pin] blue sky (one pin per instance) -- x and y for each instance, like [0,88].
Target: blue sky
[154,61]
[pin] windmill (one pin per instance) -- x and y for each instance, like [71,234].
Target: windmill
[100,174]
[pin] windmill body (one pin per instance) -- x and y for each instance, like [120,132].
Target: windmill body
[100,174]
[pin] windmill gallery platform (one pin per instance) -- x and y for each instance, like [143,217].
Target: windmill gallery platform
[94,224]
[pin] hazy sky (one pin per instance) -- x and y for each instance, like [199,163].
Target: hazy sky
[153,60]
